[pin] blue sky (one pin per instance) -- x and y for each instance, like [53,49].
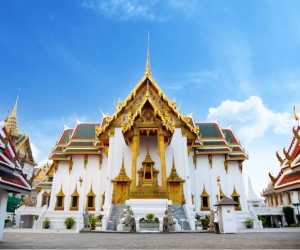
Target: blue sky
[232,61]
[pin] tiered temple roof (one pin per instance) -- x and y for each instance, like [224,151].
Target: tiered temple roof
[215,140]
[11,174]
[288,177]
[80,140]
[20,141]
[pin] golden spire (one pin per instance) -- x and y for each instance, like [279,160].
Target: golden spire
[122,176]
[295,114]
[148,158]
[11,120]
[148,66]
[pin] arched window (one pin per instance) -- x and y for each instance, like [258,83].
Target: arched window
[74,200]
[90,202]
[236,197]
[60,196]
[204,200]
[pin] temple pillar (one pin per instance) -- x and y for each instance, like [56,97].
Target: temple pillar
[162,156]
[134,152]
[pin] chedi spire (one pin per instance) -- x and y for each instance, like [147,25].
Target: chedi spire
[11,121]
[148,65]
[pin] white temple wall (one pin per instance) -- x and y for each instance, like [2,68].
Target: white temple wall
[217,170]
[117,150]
[93,175]
[39,198]
[169,159]
[59,180]
[236,181]
[205,175]
[201,178]
[181,159]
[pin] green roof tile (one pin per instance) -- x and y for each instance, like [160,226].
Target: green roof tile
[229,136]
[209,130]
[85,130]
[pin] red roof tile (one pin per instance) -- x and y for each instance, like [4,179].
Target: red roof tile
[289,178]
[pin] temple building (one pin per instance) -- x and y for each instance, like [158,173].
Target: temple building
[146,155]
[21,143]
[284,188]
[12,178]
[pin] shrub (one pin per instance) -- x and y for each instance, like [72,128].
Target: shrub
[265,222]
[69,222]
[289,215]
[248,223]
[204,222]
[198,217]
[150,217]
[93,220]
[46,223]
[142,220]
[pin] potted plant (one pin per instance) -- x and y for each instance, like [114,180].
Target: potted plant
[46,223]
[150,217]
[248,223]
[93,221]
[69,222]
[149,221]
[204,222]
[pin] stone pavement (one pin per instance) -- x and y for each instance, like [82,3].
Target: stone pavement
[274,240]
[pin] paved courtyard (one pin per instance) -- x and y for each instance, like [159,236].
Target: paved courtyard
[151,241]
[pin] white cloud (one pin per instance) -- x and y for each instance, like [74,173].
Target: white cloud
[261,130]
[250,118]
[151,10]
[122,9]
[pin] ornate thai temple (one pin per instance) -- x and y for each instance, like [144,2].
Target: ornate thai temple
[12,176]
[284,188]
[21,143]
[146,155]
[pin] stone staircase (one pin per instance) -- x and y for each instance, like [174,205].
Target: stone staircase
[115,216]
[179,214]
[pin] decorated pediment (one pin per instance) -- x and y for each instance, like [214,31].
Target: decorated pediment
[146,105]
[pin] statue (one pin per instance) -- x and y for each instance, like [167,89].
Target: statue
[128,220]
[168,222]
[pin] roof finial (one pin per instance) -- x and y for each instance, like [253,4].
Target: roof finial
[296,115]
[14,110]
[148,66]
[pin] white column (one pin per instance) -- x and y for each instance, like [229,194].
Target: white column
[3,204]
